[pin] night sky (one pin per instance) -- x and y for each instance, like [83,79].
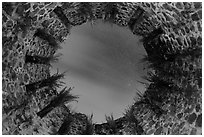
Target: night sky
[103,63]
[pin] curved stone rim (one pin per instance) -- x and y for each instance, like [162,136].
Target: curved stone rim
[166,32]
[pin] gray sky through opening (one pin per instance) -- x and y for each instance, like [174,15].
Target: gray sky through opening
[103,63]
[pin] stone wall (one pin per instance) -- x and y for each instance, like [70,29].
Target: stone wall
[172,37]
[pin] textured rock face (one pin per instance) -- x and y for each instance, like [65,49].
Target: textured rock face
[172,37]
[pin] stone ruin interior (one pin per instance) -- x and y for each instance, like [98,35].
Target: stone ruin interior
[32,103]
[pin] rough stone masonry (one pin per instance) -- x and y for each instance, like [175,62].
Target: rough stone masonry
[172,36]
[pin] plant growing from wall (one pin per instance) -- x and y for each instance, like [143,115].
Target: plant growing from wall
[159,54]
[152,103]
[157,49]
[85,10]
[111,11]
[35,59]
[171,80]
[63,97]
[65,127]
[51,82]
[157,81]
[136,18]
[59,12]
[170,63]
[155,62]
[112,124]
[152,35]
[42,33]
[193,52]
[158,91]
[129,115]
[176,66]
[89,126]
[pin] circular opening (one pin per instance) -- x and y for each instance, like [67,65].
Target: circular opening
[103,63]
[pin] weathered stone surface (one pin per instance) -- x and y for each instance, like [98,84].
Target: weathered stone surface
[198,108]
[189,109]
[197,5]
[199,121]
[150,131]
[179,5]
[158,131]
[192,118]
[193,131]
[199,14]
[151,123]
[195,17]
[181,125]
[181,23]
[179,115]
